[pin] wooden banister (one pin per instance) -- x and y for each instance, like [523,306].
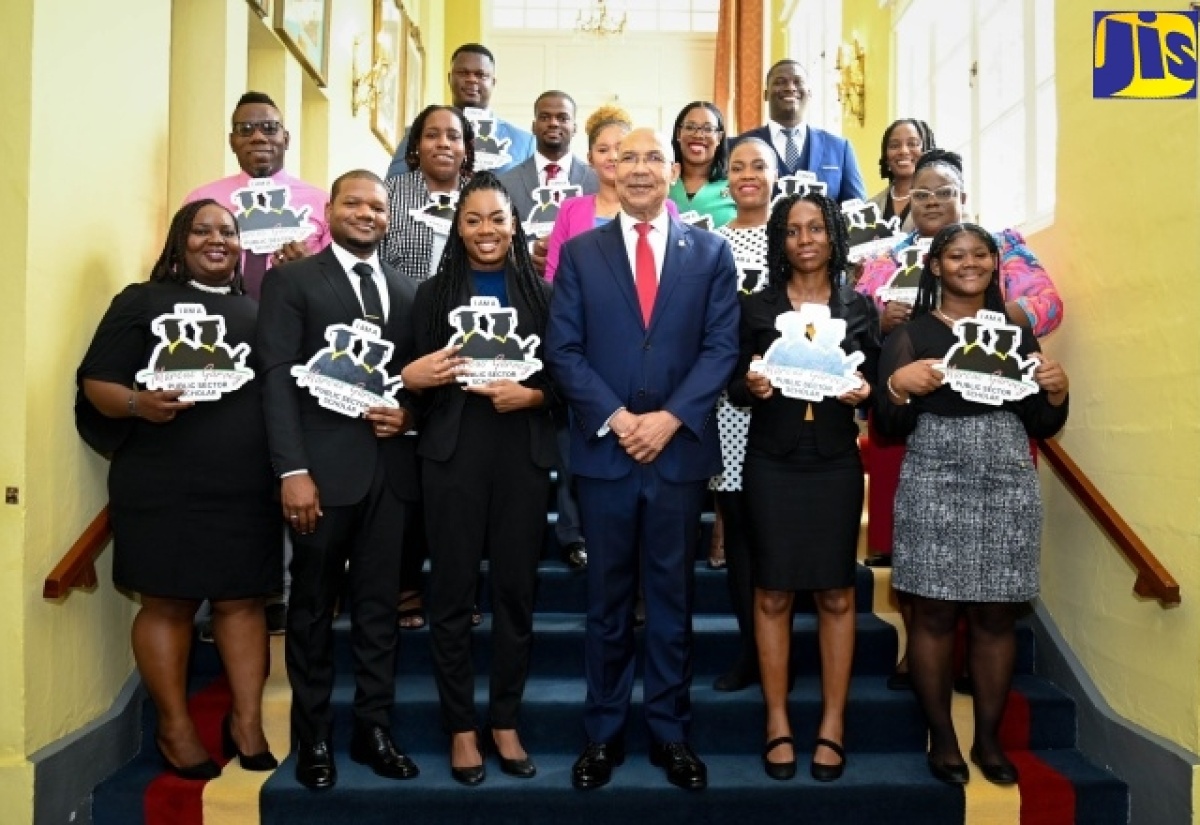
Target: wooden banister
[78,567]
[1153,580]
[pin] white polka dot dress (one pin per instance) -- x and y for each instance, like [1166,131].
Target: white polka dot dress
[733,423]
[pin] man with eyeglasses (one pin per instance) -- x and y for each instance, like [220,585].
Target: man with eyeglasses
[472,80]
[799,146]
[280,217]
[642,337]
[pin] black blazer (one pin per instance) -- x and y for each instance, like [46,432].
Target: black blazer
[299,301]
[775,426]
[442,407]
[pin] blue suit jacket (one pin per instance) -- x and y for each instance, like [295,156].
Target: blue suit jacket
[829,156]
[520,149]
[603,357]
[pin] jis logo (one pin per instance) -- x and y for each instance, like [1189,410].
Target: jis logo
[1147,55]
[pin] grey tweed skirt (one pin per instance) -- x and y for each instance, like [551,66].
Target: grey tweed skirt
[968,511]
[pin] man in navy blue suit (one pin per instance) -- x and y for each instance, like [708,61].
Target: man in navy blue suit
[642,338]
[802,147]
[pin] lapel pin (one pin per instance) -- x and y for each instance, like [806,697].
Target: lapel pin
[682,242]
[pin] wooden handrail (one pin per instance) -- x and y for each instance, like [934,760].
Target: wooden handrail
[78,567]
[1153,580]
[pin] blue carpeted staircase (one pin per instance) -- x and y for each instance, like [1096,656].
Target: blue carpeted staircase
[886,780]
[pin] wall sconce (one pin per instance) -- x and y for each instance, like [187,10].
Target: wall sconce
[851,88]
[366,86]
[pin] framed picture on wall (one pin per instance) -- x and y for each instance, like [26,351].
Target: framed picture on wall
[303,25]
[387,52]
[414,71]
[261,7]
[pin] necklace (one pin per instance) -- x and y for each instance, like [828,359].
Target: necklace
[215,290]
[895,197]
[947,318]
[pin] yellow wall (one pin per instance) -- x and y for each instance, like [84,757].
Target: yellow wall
[1123,250]
[872,26]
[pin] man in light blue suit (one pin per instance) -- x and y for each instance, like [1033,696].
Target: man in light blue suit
[799,146]
[472,79]
[642,338]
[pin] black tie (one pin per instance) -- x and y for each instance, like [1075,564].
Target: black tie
[372,306]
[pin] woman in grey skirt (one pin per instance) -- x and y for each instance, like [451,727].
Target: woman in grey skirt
[968,508]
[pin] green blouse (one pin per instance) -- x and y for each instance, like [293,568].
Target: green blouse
[712,200]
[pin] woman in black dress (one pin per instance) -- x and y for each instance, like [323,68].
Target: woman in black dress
[968,506]
[803,479]
[190,483]
[486,456]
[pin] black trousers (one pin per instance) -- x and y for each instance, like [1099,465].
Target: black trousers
[488,496]
[740,572]
[368,535]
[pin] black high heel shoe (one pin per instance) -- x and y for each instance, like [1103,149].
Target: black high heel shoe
[998,773]
[948,772]
[779,770]
[520,768]
[207,769]
[473,774]
[253,762]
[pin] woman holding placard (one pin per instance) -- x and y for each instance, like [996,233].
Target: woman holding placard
[190,485]
[486,449]
[803,480]
[968,508]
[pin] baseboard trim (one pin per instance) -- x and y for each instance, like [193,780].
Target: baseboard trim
[1158,772]
[67,770]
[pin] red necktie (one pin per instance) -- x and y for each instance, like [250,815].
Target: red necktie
[645,277]
[552,170]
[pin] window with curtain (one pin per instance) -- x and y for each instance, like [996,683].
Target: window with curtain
[814,30]
[982,73]
[641,15]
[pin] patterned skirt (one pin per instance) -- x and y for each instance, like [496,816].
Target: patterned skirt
[968,511]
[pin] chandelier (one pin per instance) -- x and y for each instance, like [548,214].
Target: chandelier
[599,22]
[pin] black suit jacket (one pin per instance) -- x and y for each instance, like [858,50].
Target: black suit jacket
[775,426]
[299,301]
[442,407]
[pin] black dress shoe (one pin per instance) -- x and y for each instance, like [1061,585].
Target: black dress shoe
[252,762]
[684,769]
[878,560]
[740,678]
[314,766]
[998,773]
[828,773]
[471,775]
[779,770]
[948,773]
[575,555]
[201,771]
[522,768]
[374,748]
[594,767]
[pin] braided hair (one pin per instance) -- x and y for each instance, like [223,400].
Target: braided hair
[170,266]
[929,290]
[719,170]
[413,158]
[923,132]
[948,163]
[454,270]
[779,268]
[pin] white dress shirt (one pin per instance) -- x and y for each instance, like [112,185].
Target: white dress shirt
[564,168]
[348,260]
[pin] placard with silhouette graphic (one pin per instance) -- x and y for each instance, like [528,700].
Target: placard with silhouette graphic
[191,355]
[870,234]
[349,375]
[694,218]
[752,275]
[438,212]
[547,200]
[902,286]
[491,152]
[984,365]
[807,360]
[265,217]
[798,183]
[486,335]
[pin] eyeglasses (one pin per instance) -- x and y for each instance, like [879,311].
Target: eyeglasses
[245,128]
[942,194]
[650,159]
[693,129]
